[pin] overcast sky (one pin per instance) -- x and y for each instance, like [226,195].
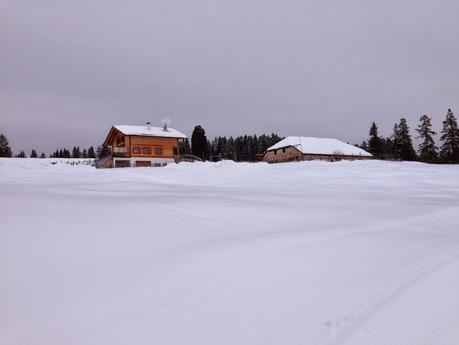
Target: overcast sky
[71,69]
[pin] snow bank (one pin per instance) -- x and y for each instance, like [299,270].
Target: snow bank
[225,253]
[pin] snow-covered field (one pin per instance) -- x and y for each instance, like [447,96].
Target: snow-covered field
[229,254]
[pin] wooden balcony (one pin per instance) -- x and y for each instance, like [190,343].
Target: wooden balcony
[120,152]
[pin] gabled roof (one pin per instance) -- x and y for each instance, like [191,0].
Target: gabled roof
[153,131]
[318,146]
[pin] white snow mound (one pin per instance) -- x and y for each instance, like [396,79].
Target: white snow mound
[306,253]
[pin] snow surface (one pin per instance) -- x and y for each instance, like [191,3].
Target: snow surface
[223,253]
[153,131]
[325,146]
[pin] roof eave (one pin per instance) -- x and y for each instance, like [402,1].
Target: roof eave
[110,134]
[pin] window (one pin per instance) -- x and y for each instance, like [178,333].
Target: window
[275,152]
[158,151]
[175,151]
[283,150]
[135,150]
[146,150]
[120,142]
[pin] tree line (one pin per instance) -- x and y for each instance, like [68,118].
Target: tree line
[244,148]
[100,152]
[399,145]
[5,151]
[76,153]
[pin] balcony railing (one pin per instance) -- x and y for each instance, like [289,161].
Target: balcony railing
[119,150]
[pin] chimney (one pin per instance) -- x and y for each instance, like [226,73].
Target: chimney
[148,126]
[165,123]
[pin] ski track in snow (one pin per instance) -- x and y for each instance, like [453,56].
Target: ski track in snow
[360,330]
[223,253]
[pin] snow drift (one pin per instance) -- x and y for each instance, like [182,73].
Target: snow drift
[299,253]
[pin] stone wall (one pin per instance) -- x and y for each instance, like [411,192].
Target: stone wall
[287,154]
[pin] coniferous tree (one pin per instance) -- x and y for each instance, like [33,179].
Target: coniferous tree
[364,145]
[388,149]
[5,149]
[84,154]
[449,151]
[21,155]
[184,147]
[91,153]
[33,154]
[375,144]
[199,143]
[404,143]
[242,148]
[42,155]
[237,148]
[76,152]
[395,141]
[427,149]
[103,151]
[229,149]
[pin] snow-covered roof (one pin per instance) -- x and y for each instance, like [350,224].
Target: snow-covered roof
[324,146]
[153,131]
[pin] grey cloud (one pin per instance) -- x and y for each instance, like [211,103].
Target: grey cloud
[70,69]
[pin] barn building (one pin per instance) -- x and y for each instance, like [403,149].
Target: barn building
[309,148]
[141,146]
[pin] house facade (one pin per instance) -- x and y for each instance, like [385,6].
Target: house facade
[308,148]
[141,146]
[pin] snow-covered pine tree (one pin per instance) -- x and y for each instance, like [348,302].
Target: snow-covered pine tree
[84,154]
[5,149]
[375,144]
[42,155]
[427,149]
[404,143]
[33,154]
[449,151]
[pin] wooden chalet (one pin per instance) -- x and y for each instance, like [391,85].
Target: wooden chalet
[141,146]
